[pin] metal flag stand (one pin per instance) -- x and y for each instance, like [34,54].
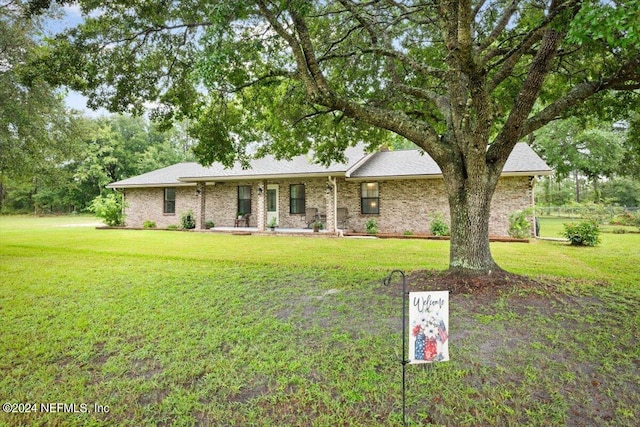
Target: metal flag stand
[404,361]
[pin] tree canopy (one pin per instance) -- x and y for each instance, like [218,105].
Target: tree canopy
[34,127]
[464,80]
[36,131]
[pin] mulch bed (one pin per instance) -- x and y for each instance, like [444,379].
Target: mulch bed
[428,236]
[488,285]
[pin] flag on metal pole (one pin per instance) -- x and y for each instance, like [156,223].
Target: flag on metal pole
[428,326]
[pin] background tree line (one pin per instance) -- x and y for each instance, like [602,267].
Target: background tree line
[594,162]
[100,151]
[53,160]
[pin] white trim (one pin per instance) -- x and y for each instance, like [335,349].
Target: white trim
[438,175]
[258,177]
[168,184]
[358,164]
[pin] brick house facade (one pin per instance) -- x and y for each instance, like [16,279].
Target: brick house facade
[402,191]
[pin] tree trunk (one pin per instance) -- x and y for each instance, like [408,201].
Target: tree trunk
[596,189]
[470,252]
[470,204]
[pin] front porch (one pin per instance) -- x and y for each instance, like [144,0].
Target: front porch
[293,205]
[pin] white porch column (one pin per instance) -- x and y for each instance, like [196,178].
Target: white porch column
[261,216]
[200,193]
[331,205]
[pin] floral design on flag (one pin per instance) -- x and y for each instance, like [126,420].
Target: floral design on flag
[429,318]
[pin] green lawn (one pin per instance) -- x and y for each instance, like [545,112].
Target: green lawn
[177,328]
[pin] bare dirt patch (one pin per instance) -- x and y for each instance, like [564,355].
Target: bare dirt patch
[559,343]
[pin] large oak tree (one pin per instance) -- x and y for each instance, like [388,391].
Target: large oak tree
[464,80]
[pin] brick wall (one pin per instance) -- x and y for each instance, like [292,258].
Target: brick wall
[142,204]
[410,205]
[405,205]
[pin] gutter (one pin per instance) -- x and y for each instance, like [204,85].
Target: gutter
[255,177]
[155,185]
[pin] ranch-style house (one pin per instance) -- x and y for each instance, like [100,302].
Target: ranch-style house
[402,190]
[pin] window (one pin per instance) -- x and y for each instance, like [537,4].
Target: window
[297,201]
[169,200]
[244,199]
[370,198]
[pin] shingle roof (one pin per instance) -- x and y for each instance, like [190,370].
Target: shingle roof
[524,159]
[266,167]
[270,167]
[159,177]
[390,164]
[414,163]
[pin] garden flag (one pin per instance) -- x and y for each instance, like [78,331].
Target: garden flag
[428,326]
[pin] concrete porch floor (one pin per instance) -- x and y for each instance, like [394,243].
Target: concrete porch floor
[277,230]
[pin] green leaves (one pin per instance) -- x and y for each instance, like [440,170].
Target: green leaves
[617,24]
[109,209]
[584,233]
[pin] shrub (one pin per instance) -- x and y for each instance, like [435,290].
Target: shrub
[519,225]
[438,226]
[209,224]
[371,226]
[584,233]
[172,227]
[109,208]
[408,233]
[625,218]
[149,224]
[188,220]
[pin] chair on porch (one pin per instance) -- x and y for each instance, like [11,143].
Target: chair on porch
[341,218]
[311,216]
[243,219]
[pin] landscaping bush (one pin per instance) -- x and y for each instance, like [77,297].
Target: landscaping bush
[625,218]
[109,208]
[519,224]
[149,224]
[371,226]
[188,220]
[628,219]
[438,226]
[584,233]
[208,224]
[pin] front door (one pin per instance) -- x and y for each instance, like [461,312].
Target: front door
[272,204]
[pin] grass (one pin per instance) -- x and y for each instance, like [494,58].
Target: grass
[203,329]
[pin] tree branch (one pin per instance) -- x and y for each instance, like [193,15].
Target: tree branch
[303,72]
[512,130]
[511,59]
[627,78]
[500,26]
[159,28]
